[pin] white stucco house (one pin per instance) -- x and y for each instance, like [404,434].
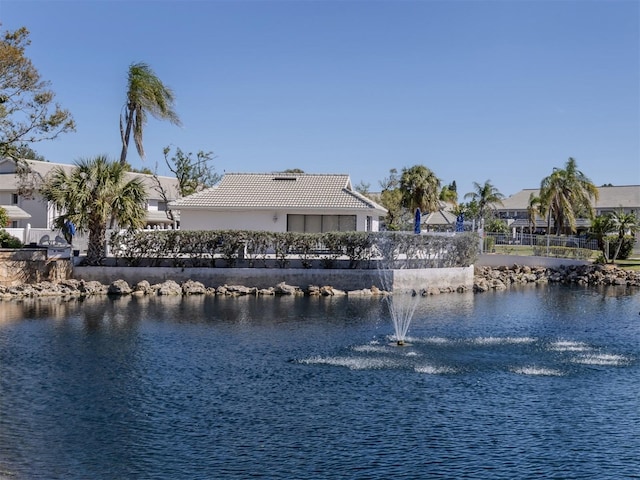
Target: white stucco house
[280,202]
[30,208]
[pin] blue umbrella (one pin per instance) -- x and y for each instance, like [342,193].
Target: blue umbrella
[416,224]
[68,230]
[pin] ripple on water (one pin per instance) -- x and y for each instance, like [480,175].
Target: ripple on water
[353,363]
[569,346]
[606,359]
[541,371]
[502,340]
[370,348]
[434,370]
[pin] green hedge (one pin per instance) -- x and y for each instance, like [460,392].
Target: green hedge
[227,247]
[9,241]
[563,252]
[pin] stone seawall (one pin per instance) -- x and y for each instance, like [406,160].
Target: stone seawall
[335,282]
[445,279]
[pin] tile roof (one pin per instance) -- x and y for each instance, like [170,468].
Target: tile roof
[278,190]
[626,196]
[440,217]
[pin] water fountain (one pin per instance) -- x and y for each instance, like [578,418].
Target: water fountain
[401,304]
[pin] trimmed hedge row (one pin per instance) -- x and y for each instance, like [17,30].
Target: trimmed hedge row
[563,252]
[200,248]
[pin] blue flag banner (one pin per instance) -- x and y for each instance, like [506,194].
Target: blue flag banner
[460,223]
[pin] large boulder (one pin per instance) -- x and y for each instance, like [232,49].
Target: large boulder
[168,287]
[119,287]
[191,287]
[143,287]
[283,289]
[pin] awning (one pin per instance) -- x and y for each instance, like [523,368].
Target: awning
[15,213]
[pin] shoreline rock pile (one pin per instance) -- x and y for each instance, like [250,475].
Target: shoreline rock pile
[485,279]
[501,278]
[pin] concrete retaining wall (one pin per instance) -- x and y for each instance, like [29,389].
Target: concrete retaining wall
[264,278]
[31,266]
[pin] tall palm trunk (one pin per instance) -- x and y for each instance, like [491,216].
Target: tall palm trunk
[97,247]
[125,137]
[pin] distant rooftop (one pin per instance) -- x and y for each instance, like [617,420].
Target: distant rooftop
[625,196]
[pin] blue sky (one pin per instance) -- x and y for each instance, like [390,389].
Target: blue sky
[475,90]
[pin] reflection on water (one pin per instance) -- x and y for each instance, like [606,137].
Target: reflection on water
[533,382]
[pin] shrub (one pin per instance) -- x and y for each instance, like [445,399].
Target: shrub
[9,241]
[5,221]
[625,249]
[194,248]
[489,244]
[257,246]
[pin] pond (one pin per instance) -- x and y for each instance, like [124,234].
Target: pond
[531,382]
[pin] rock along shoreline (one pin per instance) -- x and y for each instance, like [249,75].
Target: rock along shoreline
[485,279]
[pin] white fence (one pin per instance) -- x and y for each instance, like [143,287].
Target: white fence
[543,240]
[47,237]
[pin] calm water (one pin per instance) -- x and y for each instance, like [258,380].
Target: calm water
[530,383]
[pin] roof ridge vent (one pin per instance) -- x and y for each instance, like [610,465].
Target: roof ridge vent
[288,177]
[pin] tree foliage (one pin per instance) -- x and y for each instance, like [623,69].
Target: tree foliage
[420,189]
[146,95]
[625,224]
[565,195]
[363,188]
[95,193]
[601,227]
[449,194]
[25,152]
[4,218]
[486,197]
[28,111]
[613,232]
[391,199]
[534,210]
[194,174]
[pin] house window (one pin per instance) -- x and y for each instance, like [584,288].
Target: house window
[321,223]
[14,199]
[369,223]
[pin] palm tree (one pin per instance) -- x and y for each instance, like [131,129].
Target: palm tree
[420,189]
[486,196]
[93,194]
[146,94]
[534,209]
[566,193]
[624,223]
[601,226]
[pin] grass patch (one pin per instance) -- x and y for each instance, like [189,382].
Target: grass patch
[631,263]
[526,250]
